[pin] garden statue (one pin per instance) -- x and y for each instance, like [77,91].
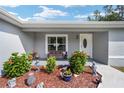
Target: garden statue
[94,69]
[2,73]
[41,85]
[37,64]
[11,83]
[31,79]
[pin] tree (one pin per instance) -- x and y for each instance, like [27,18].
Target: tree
[111,14]
[108,9]
[89,18]
[120,9]
[97,15]
[111,17]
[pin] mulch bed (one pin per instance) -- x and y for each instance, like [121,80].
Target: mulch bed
[53,80]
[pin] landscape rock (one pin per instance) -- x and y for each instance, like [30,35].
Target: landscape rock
[2,73]
[11,83]
[40,85]
[75,75]
[31,80]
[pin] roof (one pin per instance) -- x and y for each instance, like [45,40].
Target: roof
[59,24]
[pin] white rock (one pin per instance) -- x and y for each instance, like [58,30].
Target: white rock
[41,85]
[75,75]
[11,83]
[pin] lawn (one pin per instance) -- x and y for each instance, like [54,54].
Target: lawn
[120,68]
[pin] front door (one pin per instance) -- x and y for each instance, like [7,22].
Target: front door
[86,43]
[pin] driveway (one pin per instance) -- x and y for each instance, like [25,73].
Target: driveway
[111,78]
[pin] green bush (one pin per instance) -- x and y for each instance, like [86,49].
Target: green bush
[17,65]
[68,72]
[77,61]
[51,64]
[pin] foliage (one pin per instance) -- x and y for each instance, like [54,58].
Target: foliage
[68,72]
[110,14]
[17,65]
[111,17]
[77,61]
[51,64]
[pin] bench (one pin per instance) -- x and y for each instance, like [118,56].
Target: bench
[58,54]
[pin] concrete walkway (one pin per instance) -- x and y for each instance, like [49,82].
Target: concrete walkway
[111,78]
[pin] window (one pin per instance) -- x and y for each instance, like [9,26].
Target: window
[85,43]
[56,42]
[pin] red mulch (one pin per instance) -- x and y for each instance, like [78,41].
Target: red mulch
[53,80]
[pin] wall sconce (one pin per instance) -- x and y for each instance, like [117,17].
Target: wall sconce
[77,36]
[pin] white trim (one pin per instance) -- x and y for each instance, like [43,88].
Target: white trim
[116,56]
[55,35]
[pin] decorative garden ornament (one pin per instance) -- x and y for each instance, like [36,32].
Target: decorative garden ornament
[94,69]
[12,83]
[2,73]
[37,64]
[40,85]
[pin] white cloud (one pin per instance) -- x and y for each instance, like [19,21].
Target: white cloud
[68,6]
[102,14]
[12,6]
[13,13]
[81,16]
[38,19]
[24,19]
[49,13]
[85,16]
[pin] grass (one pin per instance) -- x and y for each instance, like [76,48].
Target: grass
[120,68]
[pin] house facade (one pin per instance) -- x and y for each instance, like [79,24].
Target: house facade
[102,41]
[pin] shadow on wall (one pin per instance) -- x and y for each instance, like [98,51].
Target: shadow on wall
[9,43]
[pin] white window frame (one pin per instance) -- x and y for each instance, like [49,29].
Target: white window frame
[55,35]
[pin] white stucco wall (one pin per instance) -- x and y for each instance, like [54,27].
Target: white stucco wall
[12,39]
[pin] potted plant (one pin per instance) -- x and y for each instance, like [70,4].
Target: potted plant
[67,74]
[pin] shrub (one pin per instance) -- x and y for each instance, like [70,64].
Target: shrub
[77,62]
[68,72]
[51,64]
[17,65]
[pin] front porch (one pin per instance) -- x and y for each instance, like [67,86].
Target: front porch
[95,44]
[60,62]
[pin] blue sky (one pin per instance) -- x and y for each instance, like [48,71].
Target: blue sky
[52,12]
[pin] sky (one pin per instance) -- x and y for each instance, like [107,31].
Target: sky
[52,12]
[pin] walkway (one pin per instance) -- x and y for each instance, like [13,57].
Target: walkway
[111,78]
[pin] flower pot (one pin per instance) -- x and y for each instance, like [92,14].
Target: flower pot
[67,77]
